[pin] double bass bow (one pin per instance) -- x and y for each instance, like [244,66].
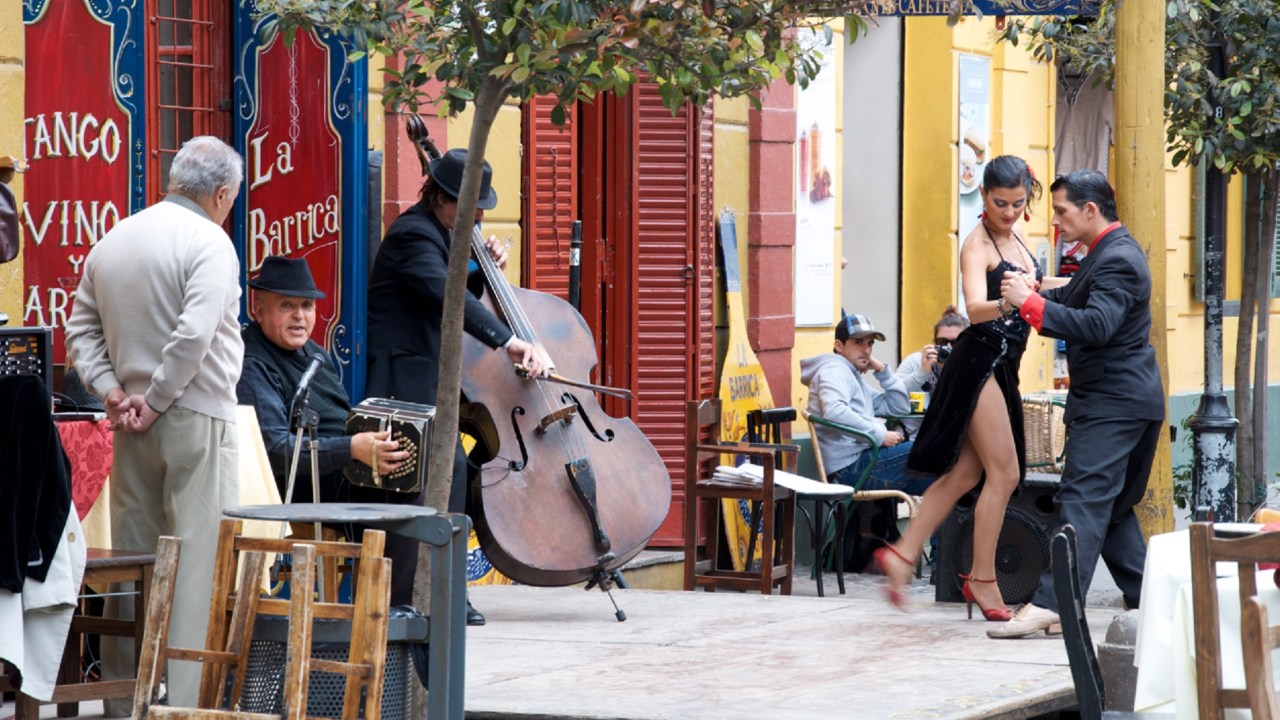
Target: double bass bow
[567,493]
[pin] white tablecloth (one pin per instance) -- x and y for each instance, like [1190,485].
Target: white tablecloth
[1165,648]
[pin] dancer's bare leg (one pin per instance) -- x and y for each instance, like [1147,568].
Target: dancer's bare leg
[938,501]
[992,437]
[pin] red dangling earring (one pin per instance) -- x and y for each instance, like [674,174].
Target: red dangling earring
[1026,216]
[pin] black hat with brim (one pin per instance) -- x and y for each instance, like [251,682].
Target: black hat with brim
[446,171]
[286,276]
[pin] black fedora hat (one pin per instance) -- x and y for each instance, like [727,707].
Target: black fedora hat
[446,171]
[286,276]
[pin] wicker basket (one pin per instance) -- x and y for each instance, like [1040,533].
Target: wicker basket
[1045,432]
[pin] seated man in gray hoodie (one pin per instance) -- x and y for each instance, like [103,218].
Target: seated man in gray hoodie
[838,392]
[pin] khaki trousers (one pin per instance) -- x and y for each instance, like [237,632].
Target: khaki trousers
[174,479]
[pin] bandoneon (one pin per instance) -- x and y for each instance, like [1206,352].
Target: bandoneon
[410,425]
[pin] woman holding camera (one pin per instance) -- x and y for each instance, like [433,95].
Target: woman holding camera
[973,426]
[919,371]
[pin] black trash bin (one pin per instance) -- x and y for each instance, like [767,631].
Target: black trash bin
[331,640]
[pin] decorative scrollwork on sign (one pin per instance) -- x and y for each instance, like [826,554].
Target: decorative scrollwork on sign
[340,350]
[343,88]
[33,9]
[124,79]
[245,80]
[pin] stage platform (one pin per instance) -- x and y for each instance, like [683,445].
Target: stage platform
[559,653]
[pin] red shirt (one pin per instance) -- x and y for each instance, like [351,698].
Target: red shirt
[1033,309]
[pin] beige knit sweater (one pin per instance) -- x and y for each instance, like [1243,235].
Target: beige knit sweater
[157,311]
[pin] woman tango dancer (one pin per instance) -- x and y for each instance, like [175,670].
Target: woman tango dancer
[973,426]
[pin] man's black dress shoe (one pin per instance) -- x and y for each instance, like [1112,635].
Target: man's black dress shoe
[474,616]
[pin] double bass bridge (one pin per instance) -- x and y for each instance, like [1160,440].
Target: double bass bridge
[563,415]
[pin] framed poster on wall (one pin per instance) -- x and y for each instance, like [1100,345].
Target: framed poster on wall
[973,145]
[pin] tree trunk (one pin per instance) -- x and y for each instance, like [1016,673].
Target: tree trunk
[1266,249]
[1244,349]
[444,438]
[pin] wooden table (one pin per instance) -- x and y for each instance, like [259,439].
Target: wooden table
[445,535]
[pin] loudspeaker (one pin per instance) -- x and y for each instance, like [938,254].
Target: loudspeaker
[1022,552]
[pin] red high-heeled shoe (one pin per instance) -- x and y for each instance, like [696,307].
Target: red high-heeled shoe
[891,589]
[1000,614]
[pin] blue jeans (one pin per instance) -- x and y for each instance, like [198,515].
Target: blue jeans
[887,473]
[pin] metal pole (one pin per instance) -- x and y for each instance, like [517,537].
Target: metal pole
[1212,426]
[575,266]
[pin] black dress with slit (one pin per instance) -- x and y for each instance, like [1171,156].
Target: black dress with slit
[982,350]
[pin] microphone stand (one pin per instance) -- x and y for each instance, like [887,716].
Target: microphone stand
[303,418]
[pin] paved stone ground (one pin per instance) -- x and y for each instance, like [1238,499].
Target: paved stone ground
[558,652]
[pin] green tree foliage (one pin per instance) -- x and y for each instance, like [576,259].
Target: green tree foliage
[1221,111]
[575,50]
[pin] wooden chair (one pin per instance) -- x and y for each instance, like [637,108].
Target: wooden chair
[777,551]
[1258,639]
[156,650]
[332,570]
[234,608]
[1208,549]
[856,494]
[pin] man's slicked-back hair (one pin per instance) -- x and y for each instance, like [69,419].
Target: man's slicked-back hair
[1088,186]
[204,164]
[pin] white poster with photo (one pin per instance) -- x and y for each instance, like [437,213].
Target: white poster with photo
[815,193]
[975,131]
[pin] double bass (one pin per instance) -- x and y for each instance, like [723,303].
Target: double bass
[566,493]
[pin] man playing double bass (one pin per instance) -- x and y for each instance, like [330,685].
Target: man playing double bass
[406,303]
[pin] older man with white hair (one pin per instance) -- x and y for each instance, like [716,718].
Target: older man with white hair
[155,333]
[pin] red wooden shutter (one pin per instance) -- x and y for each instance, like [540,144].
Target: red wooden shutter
[550,202]
[704,347]
[673,282]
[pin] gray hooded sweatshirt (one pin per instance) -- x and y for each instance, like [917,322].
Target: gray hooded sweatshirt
[838,393]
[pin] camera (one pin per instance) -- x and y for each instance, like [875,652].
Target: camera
[944,352]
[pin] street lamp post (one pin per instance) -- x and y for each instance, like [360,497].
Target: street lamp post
[1212,426]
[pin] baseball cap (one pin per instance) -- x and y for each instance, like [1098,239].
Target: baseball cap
[857,326]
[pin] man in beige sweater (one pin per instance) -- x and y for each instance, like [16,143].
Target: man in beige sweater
[155,333]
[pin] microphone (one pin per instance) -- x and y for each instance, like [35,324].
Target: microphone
[305,384]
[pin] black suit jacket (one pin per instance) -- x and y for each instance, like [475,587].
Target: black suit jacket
[1104,314]
[406,303]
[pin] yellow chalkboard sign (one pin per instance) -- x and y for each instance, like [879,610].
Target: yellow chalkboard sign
[743,387]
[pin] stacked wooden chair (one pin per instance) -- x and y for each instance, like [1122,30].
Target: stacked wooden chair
[236,605]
